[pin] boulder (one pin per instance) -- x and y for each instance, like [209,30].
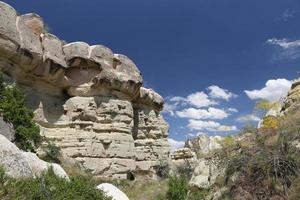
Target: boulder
[112,191]
[39,166]
[13,161]
[19,164]
[205,174]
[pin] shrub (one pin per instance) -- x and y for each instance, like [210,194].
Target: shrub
[49,186]
[178,188]
[2,175]
[264,171]
[197,194]
[13,110]
[270,122]
[163,168]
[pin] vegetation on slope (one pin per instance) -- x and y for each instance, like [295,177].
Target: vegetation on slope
[13,110]
[49,186]
[265,163]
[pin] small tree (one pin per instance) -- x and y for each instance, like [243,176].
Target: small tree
[14,110]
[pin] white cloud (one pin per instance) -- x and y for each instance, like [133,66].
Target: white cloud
[248,118]
[284,43]
[219,93]
[175,144]
[177,99]
[200,99]
[273,90]
[211,113]
[233,110]
[287,49]
[169,108]
[209,126]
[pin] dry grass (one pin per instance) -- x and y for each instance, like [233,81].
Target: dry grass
[144,189]
[140,189]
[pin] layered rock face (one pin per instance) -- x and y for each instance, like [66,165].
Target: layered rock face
[291,102]
[87,100]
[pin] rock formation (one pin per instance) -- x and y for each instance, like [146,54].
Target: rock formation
[87,100]
[291,102]
[204,144]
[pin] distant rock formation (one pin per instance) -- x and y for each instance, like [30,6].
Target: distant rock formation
[204,144]
[87,100]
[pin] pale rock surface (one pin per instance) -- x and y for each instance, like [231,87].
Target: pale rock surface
[12,160]
[182,157]
[112,191]
[204,144]
[292,100]
[205,174]
[6,129]
[86,99]
[19,164]
[39,166]
[150,131]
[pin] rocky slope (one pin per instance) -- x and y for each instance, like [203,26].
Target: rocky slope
[87,100]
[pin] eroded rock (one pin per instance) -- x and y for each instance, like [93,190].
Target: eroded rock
[19,164]
[86,99]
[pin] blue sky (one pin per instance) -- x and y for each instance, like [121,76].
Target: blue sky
[201,55]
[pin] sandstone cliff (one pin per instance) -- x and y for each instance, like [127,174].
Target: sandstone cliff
[87,100]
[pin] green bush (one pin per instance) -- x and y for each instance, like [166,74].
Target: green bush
[177,188]
[197,194]
[49,187]
[14,110]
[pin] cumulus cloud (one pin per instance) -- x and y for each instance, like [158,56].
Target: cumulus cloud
[209,126]
[170,108]
[219,93]
[210,113]
[175,144]
[287,49]
[200,99]
[233,110]
[273,90]
[248,118]
[177,99]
